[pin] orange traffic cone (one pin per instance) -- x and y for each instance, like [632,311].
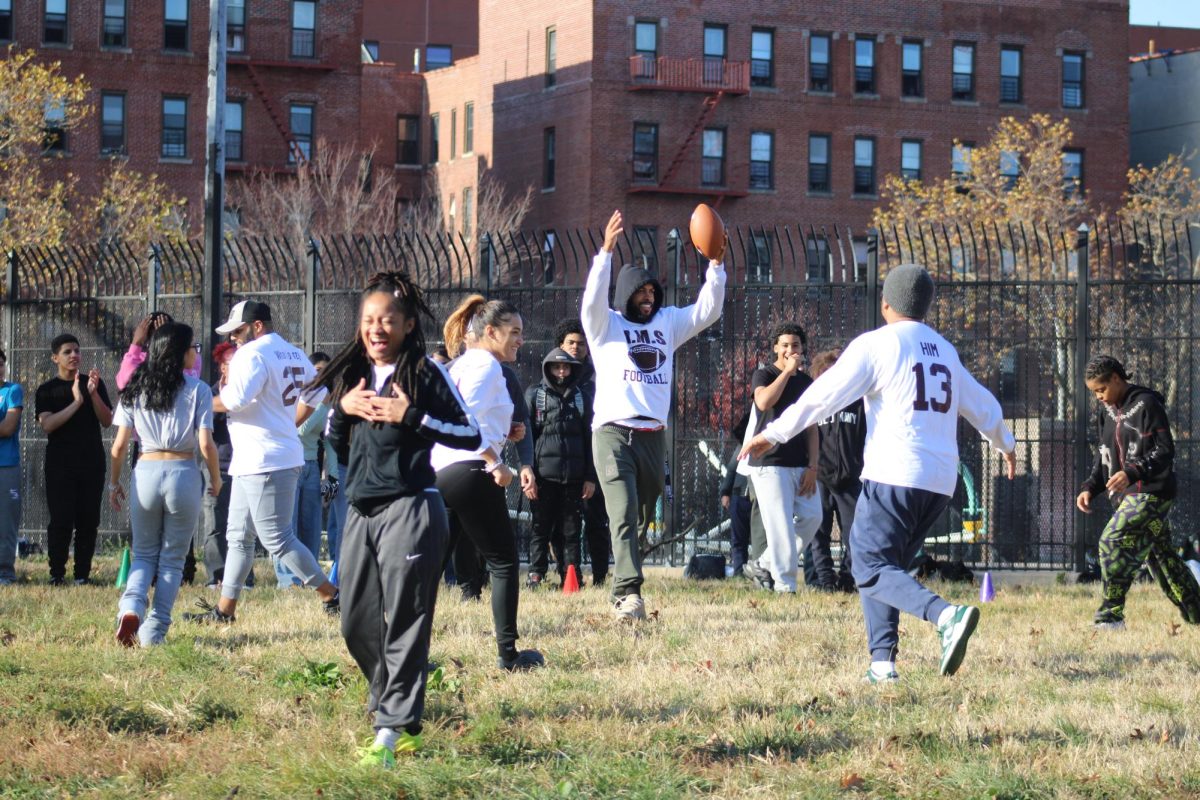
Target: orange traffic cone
[571,582]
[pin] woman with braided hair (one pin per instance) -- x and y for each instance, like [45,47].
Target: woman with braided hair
[391,404]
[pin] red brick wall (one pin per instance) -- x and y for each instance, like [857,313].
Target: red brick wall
[403,27]
[449,90]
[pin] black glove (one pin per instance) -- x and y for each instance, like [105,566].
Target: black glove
[329,490]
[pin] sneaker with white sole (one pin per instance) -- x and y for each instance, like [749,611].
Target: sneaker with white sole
[876,679]
[630,607]
[127,628]
[1109,625]
[954,634]
[759,576]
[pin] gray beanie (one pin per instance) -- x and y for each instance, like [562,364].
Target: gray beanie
[909,289]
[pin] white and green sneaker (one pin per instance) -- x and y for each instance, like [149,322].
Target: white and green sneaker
[877,679]
[955,632]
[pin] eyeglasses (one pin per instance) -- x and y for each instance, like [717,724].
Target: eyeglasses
[197,347]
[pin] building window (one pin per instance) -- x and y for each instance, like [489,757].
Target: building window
[452,215]
[864,64]
[54,30]
[468,128]
[645,152]
[235,26]
[437,56]
[762,57]
[304,29]
[234,113]
[1072,161]
[818,163]
[912,79]
[712,167]
[762,160]
[910,160]
[548,158]
[408,144]
[6,26]
[818,256]
[174,127]
[113,32]
[551,57]
[758,257]
[175,25]
[864,166]
[467,212]
[370,51]
[453,133]
[54,135]
[714,53]
[962,82]
[1010,74]
[302,132]
[645,47]
[434,137]
[1010,168]
[819,77]
[112,123]
[1072,80]
[960,159]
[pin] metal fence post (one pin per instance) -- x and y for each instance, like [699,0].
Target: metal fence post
[153,278]
[10,303]
[872,311]
[310,295]
[675,249]
[1083,456]
[485,261]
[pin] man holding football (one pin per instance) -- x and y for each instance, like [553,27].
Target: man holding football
[633,351]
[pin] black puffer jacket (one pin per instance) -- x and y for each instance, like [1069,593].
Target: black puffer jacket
[1135,436]
[560,417]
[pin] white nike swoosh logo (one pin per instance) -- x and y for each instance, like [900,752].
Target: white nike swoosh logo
[413,558]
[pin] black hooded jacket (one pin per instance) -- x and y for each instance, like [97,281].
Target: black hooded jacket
[1135,437]
[629,280]
[560,418]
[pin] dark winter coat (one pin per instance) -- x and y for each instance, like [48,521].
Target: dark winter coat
[560,417]
[843,437]
[1135,437]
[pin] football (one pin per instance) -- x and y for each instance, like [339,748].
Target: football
[707,232]
[647,357]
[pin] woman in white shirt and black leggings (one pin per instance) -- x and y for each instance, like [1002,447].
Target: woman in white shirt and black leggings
[473,483]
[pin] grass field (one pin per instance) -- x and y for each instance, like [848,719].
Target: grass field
[724,692]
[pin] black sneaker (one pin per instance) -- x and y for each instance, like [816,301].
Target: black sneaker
[759,576]
[534,580]
[58,581]
[523,661]
[333,606]
[209,614]
[83,581]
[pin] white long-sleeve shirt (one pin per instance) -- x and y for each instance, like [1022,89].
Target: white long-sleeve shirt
[633,362]
[480,381]
[914,389]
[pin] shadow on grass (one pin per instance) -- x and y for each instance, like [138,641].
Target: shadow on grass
[1087,667]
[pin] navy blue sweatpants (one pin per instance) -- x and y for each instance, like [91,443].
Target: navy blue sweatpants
[890,523]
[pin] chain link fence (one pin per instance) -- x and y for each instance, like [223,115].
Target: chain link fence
[1025,308]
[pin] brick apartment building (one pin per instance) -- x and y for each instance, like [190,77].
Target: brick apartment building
[777,112]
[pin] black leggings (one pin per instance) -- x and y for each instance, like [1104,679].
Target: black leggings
[478,506]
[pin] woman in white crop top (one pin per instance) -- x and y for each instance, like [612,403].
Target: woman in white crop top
[172,415]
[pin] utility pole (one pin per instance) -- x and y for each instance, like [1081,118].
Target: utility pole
[212,298]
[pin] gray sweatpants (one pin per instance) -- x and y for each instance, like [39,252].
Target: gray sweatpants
[263,504]
[390,566]
[10,520]
[629,465]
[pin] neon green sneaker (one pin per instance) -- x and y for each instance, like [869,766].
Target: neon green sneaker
[955,633]
[376,755]
[408,742]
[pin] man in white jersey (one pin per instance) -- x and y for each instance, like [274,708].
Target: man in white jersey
[265,382]
[633,351]
[914,389]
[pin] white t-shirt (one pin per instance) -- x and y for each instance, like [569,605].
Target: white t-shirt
[914,388]
[266,380]
[480,381]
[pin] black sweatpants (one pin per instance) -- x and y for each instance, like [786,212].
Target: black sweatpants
[839,501]
[595,531]
[557,516]
[390,566]
[74,488]
[478,505]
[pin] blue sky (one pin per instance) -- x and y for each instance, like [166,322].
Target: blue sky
[1172,13]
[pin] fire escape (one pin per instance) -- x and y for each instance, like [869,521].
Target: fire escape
[714,78]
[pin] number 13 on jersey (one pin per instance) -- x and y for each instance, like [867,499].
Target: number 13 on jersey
[925,403]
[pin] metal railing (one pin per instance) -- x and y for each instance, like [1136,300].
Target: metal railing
[690,74]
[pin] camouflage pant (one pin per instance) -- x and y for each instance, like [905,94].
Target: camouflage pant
[1139,532]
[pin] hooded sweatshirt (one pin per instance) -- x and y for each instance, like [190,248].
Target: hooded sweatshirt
[560,416]
[634,361]
[1135,436]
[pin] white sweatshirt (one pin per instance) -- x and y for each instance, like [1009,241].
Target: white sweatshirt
[478,377]
[634,363]
[914,389]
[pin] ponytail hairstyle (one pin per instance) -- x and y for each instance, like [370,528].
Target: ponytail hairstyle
[1102,368]
[350,364]
[159,378]
[474,314]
